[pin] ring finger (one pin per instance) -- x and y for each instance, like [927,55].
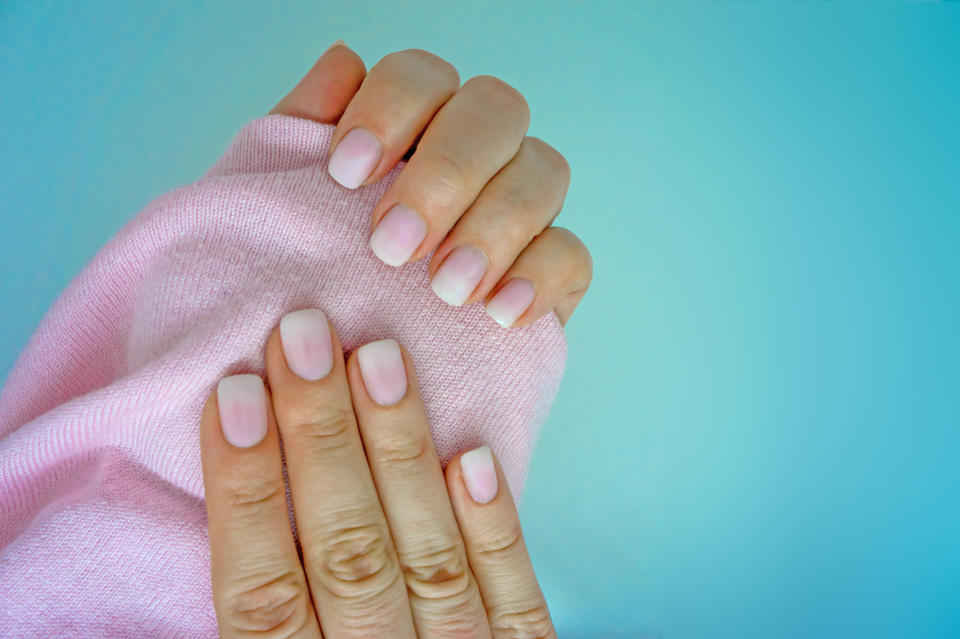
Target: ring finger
[518,203]
[397,99]
[442,591]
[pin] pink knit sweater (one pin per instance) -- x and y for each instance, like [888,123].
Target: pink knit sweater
[102,521]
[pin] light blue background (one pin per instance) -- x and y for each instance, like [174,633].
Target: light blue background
[758,431]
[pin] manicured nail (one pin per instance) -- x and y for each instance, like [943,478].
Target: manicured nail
[479,474]
[383,372]
[398,235]
[461,272]
[242,402]
[305,337]
[354,158]
[511,301]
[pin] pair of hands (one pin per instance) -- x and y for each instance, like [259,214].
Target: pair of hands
[392,546]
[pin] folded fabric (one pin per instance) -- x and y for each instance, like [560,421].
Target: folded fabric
[102,520]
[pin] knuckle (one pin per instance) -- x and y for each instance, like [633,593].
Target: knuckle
[501,545]
[462,617]
[437,574]
[252,494]
[425,59]
[354,562]
[521,204]
[398,59]
[587,269]
[277,607]
[499,92]
[451,179]
[397,95]
[326,429]
[578,254]
[436,64]
[533,623]
[520,230]
[555,160]
[401,453]
[520,217]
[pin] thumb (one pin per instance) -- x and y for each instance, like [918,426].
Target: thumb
[328,87]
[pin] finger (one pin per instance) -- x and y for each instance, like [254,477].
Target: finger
[519,202]
[258,583]
[348,556]
[495,546]
[442,592]
[392,107]
[552,273]
[324,92]
[469,140]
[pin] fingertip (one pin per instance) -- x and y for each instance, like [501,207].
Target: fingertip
[210,405]
[559,268]
[355,373]
[325,90]
[510,302]
[209,421]
[383,371]
[243,409]
[475,478]
[273,350]
[313,350]
[274,360]
[451,474]
[480,474]
[336,43]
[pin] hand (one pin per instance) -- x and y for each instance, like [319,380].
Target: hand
[475,189]
[389,549]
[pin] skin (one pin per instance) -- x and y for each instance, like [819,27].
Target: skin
[474,174]
[393,546]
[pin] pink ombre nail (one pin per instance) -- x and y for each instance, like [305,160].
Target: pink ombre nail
[398,235]
[511,301]
[355,158]
[242,402]
[307,346]
[383,372]
[479,474]
[461,272]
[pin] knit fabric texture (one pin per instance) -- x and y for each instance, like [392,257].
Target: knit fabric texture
[102,520]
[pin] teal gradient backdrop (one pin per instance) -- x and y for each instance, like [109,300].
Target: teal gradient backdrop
[758,433]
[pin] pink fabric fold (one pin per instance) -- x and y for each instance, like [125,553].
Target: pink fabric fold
[102,520]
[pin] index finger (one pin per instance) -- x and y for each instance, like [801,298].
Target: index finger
[258,582]
[393,105]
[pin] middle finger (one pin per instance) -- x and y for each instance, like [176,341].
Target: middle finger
[443,593]
[348,555]
[470,139]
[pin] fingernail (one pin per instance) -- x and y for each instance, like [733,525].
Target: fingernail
[461,272]
[383,372]
[511,301]
[398,235]
[479,474]
[242,402]
[338,43]
[305,337]
[354,158]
